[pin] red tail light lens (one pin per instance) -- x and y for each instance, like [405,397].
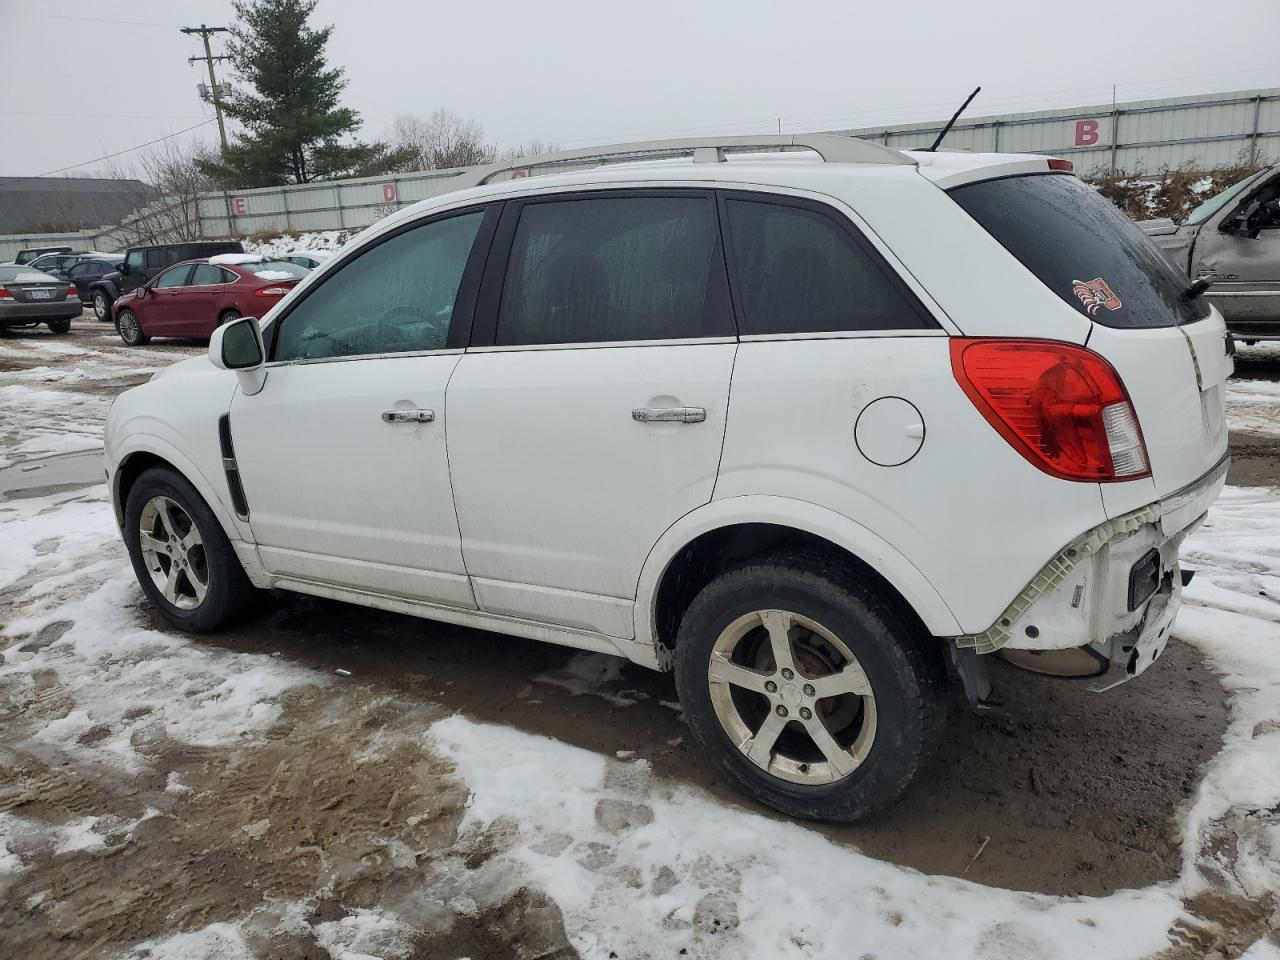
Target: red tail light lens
[5,294]
[1062,407]
[271,292]
[72,291]
[1056,164]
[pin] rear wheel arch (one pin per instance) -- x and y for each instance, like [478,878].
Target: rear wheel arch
[730,532]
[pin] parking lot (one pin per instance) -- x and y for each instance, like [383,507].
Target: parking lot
[334,781]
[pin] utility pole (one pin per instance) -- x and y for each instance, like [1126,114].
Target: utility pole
[209,58]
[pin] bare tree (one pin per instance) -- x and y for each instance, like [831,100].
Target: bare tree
[442,140]
[534,148]
[173,172]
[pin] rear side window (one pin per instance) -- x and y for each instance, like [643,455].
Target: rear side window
[205,274]
[397,297]
[602,269]
[156,258]
[799,271]
[1083,249]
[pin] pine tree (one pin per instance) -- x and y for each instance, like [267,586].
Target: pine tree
[295,131]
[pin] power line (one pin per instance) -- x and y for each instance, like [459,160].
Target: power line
[118,153]
[54,16]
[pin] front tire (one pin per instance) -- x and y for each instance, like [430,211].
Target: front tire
[180,554]
[129,329]
[101,306]
[808,689]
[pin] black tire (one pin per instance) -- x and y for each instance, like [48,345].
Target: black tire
[60,326]
[906,677]
[129,329]
[226,316]
[101,306]
[229,593]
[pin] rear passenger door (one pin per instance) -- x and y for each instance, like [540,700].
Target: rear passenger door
[588,415]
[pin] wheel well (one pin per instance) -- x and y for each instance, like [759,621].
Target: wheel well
[716,551]
[130,470]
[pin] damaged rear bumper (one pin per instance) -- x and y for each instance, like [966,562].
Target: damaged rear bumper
[1102,609]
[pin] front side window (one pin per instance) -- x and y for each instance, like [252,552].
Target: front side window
[397,297]
[596,270]
[799,271]
[176,277]
[134,260]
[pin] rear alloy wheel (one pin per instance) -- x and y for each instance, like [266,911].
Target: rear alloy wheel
[181,556]
[60,326]
[101,306]
[807,688]
[129,329]
[228,315]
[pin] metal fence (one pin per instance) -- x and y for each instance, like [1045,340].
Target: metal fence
[1142,137]
[1209,131]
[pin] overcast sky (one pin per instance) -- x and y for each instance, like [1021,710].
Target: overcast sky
[83,79]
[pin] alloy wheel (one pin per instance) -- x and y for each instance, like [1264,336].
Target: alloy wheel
[100,306]
[174,553]
[130,332]
[792,697]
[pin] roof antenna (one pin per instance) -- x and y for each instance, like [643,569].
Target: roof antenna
[952,122]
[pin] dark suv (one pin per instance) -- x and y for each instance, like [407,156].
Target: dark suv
[142,263]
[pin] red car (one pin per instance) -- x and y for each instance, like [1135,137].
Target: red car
[191,298]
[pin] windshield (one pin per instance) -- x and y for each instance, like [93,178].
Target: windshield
[275,270]
[1216,203]
[1082,248]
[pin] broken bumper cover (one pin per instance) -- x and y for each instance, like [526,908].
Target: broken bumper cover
[1085,597]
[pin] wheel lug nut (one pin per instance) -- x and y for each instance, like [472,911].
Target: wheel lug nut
[782,711]
[771,686]
[805,713]
[808,690]
[787,674]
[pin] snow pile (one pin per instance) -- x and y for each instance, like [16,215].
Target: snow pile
[321,240]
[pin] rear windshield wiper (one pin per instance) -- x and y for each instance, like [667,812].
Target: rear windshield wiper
[1196,289]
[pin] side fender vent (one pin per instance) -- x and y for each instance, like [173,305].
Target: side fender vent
[231,469]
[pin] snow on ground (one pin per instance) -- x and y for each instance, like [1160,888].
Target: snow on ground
[1254,405]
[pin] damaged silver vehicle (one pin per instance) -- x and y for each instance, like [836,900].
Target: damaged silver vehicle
[1232,241]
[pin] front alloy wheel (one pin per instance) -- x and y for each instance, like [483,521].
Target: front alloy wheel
[792,696]
[129,328]
[173,553]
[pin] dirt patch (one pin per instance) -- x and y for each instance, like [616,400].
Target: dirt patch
[1255,459]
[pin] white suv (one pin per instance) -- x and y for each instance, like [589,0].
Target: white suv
[804,425]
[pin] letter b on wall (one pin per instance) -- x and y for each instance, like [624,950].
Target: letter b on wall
[1086,133]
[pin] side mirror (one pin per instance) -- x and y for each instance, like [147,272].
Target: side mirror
[124,268]
[238,346]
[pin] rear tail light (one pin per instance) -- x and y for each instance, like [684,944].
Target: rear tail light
[72,291]
[1056,164]
[1062,407]
[271,292]
[5,294]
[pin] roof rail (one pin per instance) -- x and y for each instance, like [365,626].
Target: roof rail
[831,148]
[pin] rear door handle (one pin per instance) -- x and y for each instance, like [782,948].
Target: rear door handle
[669,414]
[408,416]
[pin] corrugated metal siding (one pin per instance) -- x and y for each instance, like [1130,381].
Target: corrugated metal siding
[1146,136]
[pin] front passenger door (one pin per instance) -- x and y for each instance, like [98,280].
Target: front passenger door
[342,452]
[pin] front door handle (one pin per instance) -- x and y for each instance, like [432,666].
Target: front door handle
[669,414]
[408,416]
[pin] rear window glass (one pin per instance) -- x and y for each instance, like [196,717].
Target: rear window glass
[276,270]
[1083,249]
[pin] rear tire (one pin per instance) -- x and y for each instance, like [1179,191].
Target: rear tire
[843,731]
[226,316]
[208,587]
[129,329]
[60,326]
[101,306]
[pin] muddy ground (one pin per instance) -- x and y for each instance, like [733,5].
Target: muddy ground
[1066,793]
